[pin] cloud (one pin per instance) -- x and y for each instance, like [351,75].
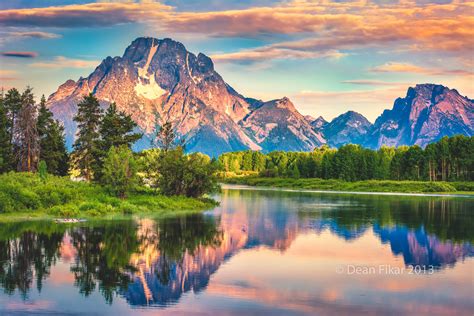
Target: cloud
[373,82]
[410,68]
[325,25]
[269,52]
[86,15]
[8,75]
[329,104]
[34,34]
[20,54]
[63,62]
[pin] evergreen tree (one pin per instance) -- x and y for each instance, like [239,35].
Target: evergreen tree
[28,141]
[52,141]
[88,119]
[5,145]
[167,139]
[12,103]
[116,130]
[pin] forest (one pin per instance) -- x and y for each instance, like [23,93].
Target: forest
[38,173]
[449,159]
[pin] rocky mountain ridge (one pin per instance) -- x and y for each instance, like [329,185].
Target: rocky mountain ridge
[158,80]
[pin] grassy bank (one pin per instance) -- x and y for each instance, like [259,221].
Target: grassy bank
[26,196]
[357,186]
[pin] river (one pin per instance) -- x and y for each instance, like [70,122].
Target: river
[259,252]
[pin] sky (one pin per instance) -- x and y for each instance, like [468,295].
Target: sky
[327,56]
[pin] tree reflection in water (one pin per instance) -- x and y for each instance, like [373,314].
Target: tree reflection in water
[27,252]
[153,262]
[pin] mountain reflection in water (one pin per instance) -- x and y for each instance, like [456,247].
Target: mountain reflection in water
[154,262]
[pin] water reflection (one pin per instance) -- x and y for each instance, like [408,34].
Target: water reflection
[153,263]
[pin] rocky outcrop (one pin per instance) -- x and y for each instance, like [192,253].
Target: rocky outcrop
[159,80]
[277,125]
[426,114]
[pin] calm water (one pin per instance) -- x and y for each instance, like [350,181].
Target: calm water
[260,252]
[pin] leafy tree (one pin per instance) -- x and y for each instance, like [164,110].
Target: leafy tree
[88,118]
[28,140]
[199,175]
[120,170]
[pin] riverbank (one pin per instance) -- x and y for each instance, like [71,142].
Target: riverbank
[357,186]
[24,196]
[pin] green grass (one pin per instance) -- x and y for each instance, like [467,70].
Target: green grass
[25,196]
[357,186]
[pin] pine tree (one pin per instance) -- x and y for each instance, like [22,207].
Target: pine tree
[52,142]
[5,145]
[12,103]
[88,119]
[116,130]
[166,139]
[28,140]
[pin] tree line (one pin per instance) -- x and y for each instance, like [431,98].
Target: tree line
[449,159]
[29,134]
[32,141]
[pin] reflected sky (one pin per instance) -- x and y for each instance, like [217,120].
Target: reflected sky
[258,252]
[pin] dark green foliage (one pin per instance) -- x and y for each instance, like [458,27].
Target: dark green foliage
[52,141]
[450,159]
[27,141]
[24,194]
[116,130]
[88,119]
[6,153]
[12,103]
[120,171]
[179,174]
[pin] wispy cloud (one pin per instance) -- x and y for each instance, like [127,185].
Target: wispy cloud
[410,68]
[19,54]
[85,15]
[326,25]
[33,34]
[269,52]
[8,75]
[364,82]
[329,104]
[63,62]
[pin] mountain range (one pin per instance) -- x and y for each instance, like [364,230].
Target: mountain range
[158,80]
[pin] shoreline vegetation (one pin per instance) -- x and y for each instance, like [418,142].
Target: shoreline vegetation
[332,185]
[37,173]
[36,168]
[25,196]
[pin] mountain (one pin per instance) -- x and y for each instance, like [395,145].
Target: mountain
[318,123]
[348,128]
[426,114]
[159,80]
[277,125]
